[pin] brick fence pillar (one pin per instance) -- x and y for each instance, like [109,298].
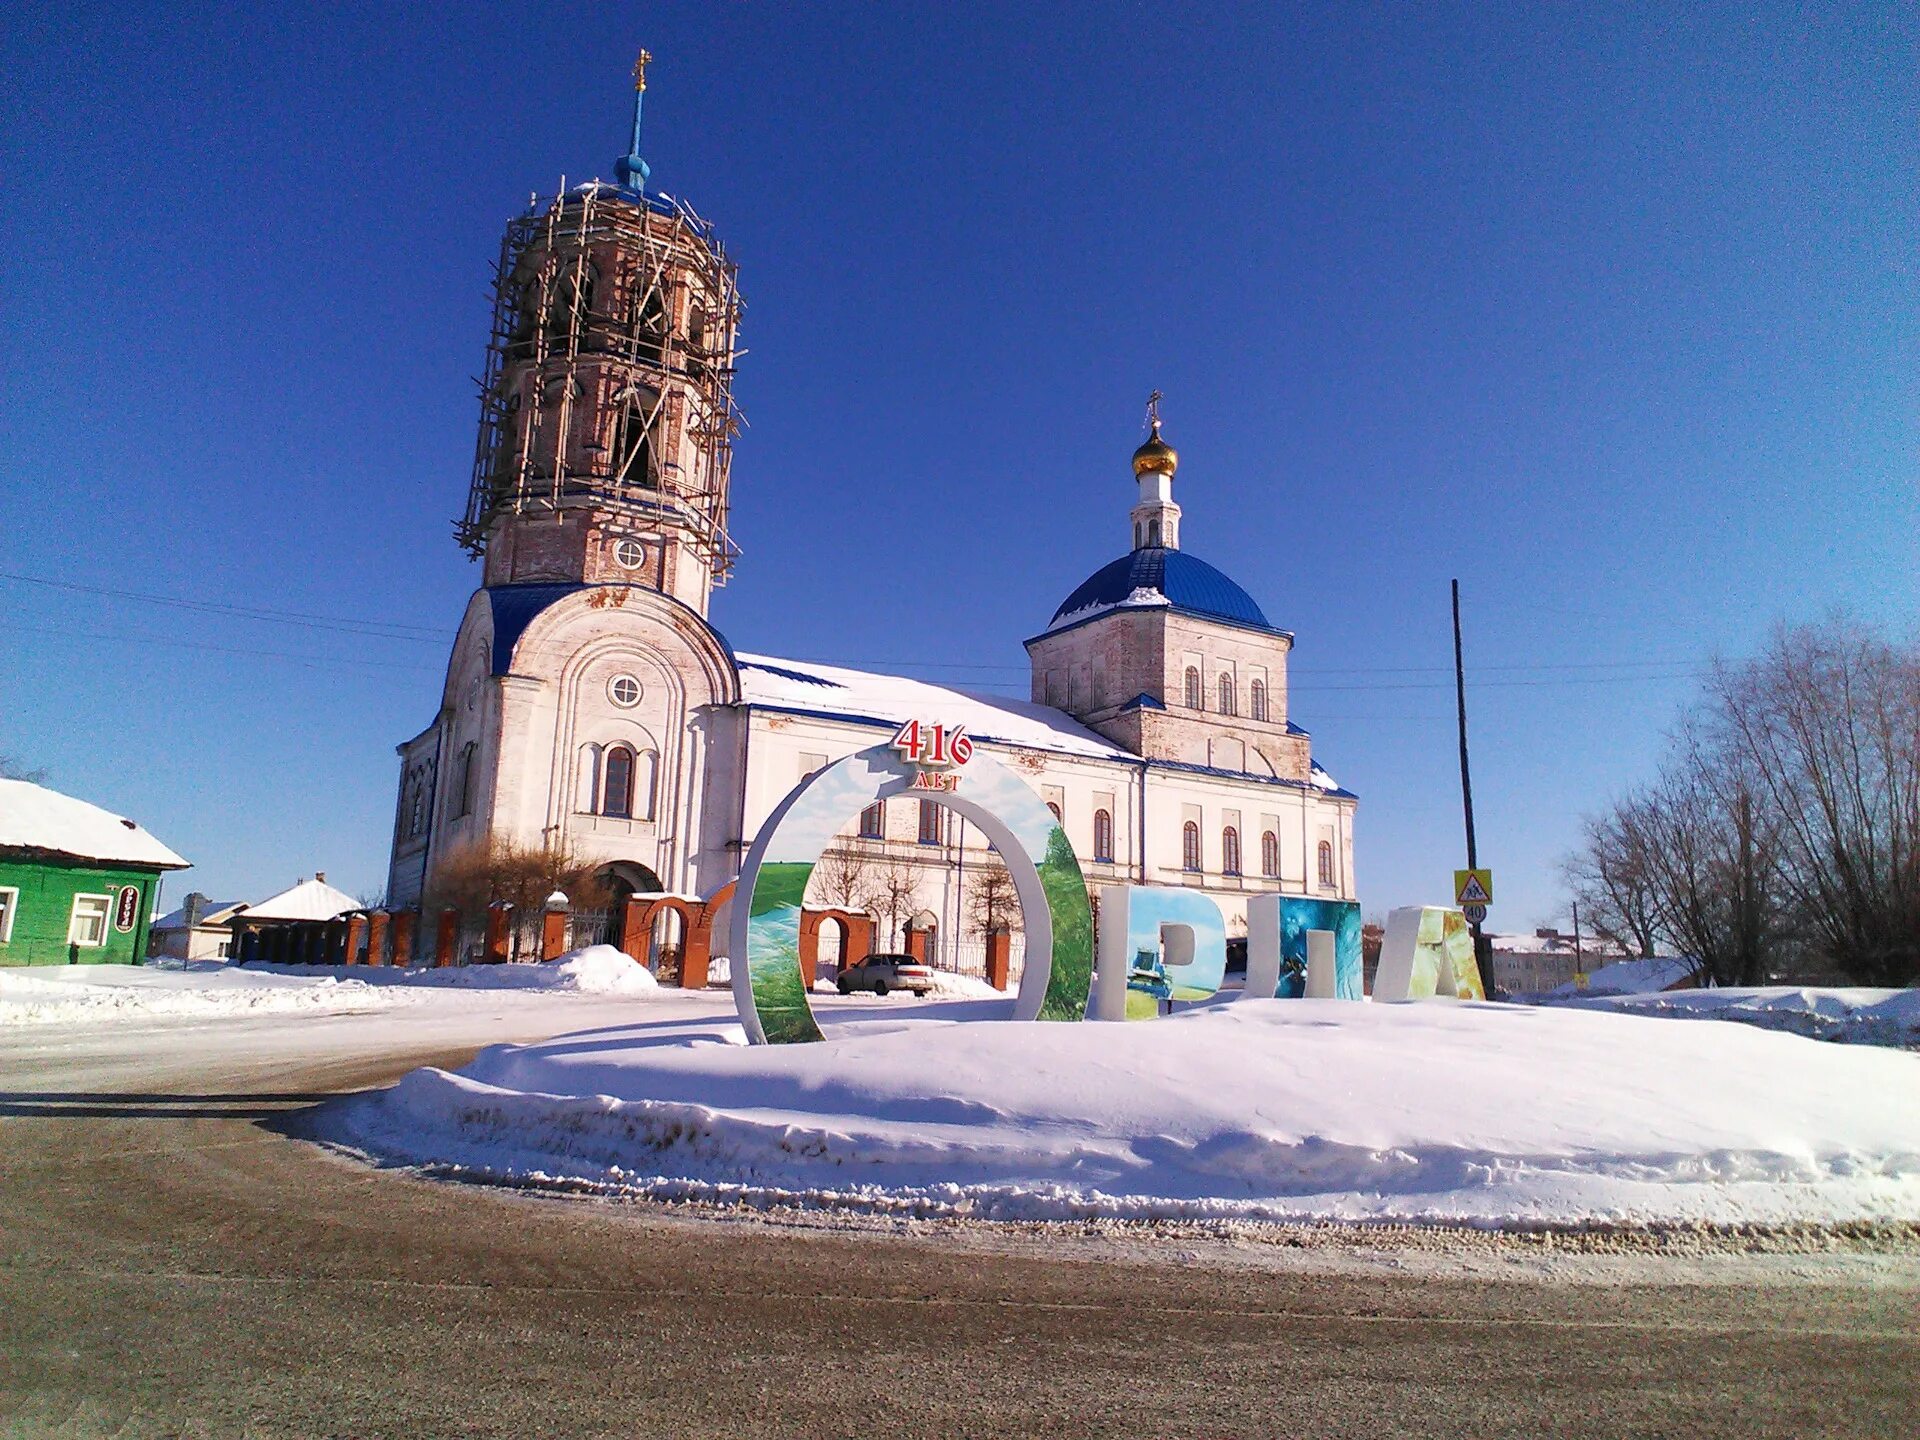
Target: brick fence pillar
[446,937]
[634,936]
[553,927]
[999,958]
[403,927]
[356,927]
[499,932]
[377,938]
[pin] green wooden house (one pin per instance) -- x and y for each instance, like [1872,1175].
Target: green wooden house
[77,883]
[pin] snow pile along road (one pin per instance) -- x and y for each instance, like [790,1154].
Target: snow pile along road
[1286,1110]
[78,994]
[596,970]
[1851,1015]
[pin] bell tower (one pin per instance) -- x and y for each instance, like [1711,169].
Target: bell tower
[606,404]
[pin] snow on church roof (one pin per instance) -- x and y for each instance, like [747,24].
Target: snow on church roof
[32,817]
[830,690]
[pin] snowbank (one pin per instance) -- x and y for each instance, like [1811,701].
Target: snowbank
[77,994]
[1286,1110]
[215,989]
[1852,1015]
[949,986]
[1632,977]
[596,970]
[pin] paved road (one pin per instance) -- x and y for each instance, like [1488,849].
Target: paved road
[172,1263]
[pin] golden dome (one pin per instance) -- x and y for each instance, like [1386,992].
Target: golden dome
[1156,456]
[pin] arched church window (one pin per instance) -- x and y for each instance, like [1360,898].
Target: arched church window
[1258,707]
[586,797]
[616,799]
[1058,818]
[571,303]
[417,811]
[1270,854]
[1326,864]
[650,324]
[633,456]
[465,792]
[1190,846]
[1226,695]
[1153,534]
[873,821]
[1103,836]
[929,823]
[1230,851]
[1193,688]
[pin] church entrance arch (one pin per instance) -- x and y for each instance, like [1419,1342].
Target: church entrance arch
[623,880]
[769,983]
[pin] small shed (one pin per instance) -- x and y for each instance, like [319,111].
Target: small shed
[77,883]
[196,931]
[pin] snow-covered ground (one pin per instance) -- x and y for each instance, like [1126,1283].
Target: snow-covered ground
[209,990]
[1282,1110]
[1855,1015]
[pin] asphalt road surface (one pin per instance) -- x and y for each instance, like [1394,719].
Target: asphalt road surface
[173,1263]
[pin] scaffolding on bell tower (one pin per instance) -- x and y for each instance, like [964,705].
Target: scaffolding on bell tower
[608,382]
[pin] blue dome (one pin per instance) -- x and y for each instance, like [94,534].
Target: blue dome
[1189,583]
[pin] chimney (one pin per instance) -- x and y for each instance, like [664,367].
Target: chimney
[321,876]
[193,909]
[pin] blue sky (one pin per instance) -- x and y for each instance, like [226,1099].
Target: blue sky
[1611,315]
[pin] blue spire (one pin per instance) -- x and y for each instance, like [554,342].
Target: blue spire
[630,170]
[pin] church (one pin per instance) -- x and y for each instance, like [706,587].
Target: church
[591,702]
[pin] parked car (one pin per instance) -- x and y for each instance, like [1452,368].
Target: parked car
[881,973]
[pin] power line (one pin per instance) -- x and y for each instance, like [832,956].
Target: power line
[373,629]
[122,637]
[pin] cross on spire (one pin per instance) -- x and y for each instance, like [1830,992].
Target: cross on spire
[630,170]
[1153,410]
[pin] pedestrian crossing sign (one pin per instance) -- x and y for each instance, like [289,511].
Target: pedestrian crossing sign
[1473,887]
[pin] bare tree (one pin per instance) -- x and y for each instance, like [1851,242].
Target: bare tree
[523,876]
[992,902]
[1713,858]
[1612,879]
[1827,720]
[890,893]
[843,878]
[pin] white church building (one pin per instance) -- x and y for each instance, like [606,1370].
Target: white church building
[591,702]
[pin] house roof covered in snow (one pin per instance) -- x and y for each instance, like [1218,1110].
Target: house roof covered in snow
[309,900]
[32,817]
[214,912]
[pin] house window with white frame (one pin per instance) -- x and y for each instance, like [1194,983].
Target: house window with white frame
[91,916]
[9,907]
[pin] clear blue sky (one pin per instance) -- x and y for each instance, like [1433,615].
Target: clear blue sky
[1612,316]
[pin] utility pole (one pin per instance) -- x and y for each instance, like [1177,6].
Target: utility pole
[1481,945]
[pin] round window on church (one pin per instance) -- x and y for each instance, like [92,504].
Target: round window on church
[624,691]
[630,554]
